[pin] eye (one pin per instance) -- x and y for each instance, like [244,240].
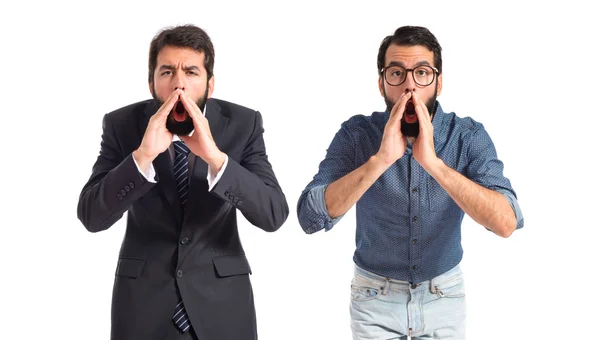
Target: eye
[166,73]
[192,73]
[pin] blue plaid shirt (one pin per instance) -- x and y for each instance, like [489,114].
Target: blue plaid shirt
[408,227]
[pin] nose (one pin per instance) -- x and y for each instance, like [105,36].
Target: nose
[410,84]
[178,82]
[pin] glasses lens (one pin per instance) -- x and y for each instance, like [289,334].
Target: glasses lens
[395,75]
[423,75]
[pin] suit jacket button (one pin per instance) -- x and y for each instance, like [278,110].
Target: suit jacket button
[235,200]
[127,188]
[239,203]
[185,240]
[131,185]
[123,192]
[227,193]
[120,197]
[179,273]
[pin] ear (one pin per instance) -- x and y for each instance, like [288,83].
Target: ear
[151,87]
[439,85]
[381,90]
[211,86]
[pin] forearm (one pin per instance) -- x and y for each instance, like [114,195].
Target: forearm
[107,195]
[255,193]
[342,194]
[486,207]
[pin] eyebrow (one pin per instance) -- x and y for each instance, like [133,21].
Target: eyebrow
[172,67]
[420,63]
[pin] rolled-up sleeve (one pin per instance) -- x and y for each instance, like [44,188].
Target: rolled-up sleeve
[338,162]
[487,170]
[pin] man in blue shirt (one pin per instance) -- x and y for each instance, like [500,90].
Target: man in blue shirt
[413,171]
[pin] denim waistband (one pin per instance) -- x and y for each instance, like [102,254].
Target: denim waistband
[387,282]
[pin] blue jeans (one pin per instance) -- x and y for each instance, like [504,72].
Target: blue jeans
[382,308]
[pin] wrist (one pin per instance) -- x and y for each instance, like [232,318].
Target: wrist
[142,159]
[435,167]
[379,163]
[216,162]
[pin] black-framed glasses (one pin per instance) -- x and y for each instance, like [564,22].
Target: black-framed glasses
[396,75]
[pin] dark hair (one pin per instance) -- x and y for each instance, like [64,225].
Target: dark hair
[188,36]
[411,36]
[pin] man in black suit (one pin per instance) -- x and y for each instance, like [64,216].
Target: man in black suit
[180,165]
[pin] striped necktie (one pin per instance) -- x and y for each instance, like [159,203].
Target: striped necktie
[180,171]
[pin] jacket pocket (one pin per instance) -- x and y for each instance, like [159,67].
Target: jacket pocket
[130,267]
[232,265]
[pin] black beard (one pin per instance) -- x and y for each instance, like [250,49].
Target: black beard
[187,126]
[412,129]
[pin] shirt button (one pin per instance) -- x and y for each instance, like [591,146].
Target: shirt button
[415,218]
[185,240]
[414,241]
[414,267]
[414,190]
[179,273]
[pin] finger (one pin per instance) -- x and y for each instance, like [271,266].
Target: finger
[420,109]
[399,107]
[200,122]
[190,106]
[166,108]
[425,126]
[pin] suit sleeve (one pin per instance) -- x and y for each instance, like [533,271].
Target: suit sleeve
[114,185]
[251,185]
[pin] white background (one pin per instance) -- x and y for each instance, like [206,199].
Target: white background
[528,73]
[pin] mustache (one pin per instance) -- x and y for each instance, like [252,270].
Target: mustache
[187,126]
[411,129]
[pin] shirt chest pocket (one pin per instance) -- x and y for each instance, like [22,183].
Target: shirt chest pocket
[438,198]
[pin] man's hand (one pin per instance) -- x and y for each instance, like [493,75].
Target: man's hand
[201,143]
[156,138]
[423,148]
[393,143]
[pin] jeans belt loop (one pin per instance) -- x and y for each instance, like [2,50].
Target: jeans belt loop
[386,288]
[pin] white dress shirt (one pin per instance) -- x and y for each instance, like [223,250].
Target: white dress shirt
[211,177]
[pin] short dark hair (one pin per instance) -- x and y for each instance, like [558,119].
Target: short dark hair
[411,36]
[188,36]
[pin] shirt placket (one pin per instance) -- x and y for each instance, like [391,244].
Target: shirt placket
[414,220]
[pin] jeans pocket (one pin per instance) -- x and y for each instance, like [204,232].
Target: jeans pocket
[364,291]
[452,289]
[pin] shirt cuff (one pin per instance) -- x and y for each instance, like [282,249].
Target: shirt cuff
[212,178]
[515,206]
[149,175]
[316,202]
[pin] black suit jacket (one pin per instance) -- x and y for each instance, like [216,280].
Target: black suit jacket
[197,253]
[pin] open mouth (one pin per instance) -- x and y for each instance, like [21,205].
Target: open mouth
[410,115]
[179,112]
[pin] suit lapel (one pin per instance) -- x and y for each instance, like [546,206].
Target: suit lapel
[198,185]
[163,165]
